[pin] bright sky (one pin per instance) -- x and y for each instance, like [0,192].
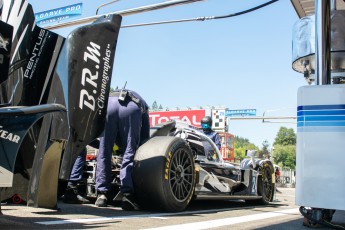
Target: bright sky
[242,62]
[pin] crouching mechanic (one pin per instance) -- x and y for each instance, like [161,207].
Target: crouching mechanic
[72,195]
[127,125]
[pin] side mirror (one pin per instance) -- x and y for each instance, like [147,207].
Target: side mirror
[250,153]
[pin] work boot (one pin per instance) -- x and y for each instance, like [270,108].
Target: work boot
[102,200]
[128,203]
[72,196]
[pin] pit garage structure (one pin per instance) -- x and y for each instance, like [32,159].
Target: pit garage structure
[318,54]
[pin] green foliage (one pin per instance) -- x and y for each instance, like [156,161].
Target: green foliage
[240,147]
[285,136]
[285,148]
[112,90]
[154,106]
[264,151]
[240,141]
[240,153]
[285,155]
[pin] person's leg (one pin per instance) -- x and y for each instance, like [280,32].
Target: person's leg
[77,169]
[130,131]
[103,166]
[72,195]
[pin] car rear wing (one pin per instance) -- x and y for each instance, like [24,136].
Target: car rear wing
[74,72]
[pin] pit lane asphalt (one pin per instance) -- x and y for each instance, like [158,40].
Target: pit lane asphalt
[281,214]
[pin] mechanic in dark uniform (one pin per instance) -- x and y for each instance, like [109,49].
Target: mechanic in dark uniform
[206,125]
[127,125]
[72,195]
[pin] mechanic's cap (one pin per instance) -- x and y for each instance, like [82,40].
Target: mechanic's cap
[206,122]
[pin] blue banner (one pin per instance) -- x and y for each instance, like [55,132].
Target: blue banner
[58,14]
[240,112]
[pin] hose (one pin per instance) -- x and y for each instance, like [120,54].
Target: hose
[246,11]
[203,18]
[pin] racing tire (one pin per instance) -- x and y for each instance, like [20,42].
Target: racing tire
[164,174]
[266,186]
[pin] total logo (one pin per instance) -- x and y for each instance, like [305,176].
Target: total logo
[3,43]
[192,117]
[9,136]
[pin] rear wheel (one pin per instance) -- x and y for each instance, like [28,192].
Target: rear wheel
[164,174]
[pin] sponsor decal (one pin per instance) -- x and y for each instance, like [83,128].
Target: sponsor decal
[36,53]
[240,112]
[8,135]
[253,185]
[192,117]
[94,97]
[3,42]
[167,166]
[59,14]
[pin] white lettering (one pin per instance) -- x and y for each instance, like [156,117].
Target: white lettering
[34,55]
[195,122]
[163,119]
[9,136]
[153,119]
[15,138]
[86,72]
[3,134]
[90,78]
[73,8]
[94,50]
[159,118]
[185,118]
[90,104]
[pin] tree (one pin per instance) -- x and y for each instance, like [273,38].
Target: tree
[285,136]
[240,141]
[285,155]
[112,90]
[154,106]
[285,148]
[264,151]
[240,153]
[240,147]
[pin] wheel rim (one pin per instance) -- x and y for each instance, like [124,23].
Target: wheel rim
[267,184]
[181,175]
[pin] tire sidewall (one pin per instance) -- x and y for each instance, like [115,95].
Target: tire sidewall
[261,190]
[151,168]
[169,197]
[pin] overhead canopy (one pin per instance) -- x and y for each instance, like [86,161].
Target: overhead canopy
[307,7]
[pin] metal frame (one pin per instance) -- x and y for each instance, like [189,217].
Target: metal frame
[127,12]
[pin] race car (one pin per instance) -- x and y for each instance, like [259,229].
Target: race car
[179,163]
[51,87]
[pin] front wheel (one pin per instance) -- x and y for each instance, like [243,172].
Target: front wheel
[164,174]
[266,186]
